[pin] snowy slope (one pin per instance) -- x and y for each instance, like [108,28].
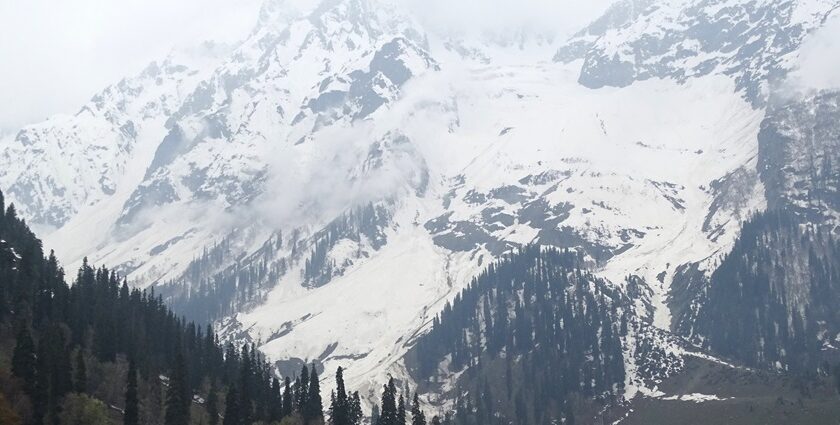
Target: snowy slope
[753,42]
[55,168]
[576,190]
[239,128]
[464,147]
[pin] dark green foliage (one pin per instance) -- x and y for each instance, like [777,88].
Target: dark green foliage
[233,413]
[212,405]
[339,403]
[79,409]
[302,389]
[774,294]
[318,269]
[131,412]
[80,384]
[355,409]
[314,407]
[100,316]
[288,397]
[53,373]
[401,418]
[837,377]
[246,406]
[276,407]
[417,416]
[388,415]
[23,359]
[345,409]
[179,394]
[558,325]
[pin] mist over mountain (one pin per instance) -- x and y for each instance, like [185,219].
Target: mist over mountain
[518,216]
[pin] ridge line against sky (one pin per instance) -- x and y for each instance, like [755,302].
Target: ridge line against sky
[62,53]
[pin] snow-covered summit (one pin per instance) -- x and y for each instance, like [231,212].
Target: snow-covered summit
[54,168]
[752,42]
[325,186]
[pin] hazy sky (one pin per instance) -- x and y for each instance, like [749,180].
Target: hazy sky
[57,53]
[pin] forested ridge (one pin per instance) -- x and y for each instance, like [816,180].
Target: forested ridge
[98,352]
[534,339]
[772,302]
[216,283]
[534,332]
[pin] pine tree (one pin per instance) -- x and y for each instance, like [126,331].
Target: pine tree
[81,372]
[355,409]
[314,407]
[131,414]
[120,321]
[232,411]
[339,408]
[179,395]
[388,416]
[41,394]
[212,405]
[246,406]
[24,361]
[62,377]
[288,398]
[53,374]
[276,406]
[417,416]
[401,418]
[332,409]
[836,374]
[302,384]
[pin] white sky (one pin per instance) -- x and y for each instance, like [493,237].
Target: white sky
[56,54]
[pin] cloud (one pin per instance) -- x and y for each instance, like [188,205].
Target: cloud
[340,167]
[560,17]
[818,65]
[58,54]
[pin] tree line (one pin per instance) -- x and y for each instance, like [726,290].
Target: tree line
[98,352]
[53,335]
[774,297]
[533,333]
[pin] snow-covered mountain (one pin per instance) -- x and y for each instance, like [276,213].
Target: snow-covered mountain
[56,168]
[754,42]
[327,185]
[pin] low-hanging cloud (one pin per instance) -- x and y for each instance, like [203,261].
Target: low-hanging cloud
[554,17]
[337,169]
[818,65]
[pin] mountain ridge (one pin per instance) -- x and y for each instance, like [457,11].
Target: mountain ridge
[248,193]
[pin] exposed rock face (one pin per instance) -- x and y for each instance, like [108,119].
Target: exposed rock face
[326,186]
[799,156]
[750,41]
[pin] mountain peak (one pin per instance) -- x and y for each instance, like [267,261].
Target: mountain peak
[279,13]
[639,40]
